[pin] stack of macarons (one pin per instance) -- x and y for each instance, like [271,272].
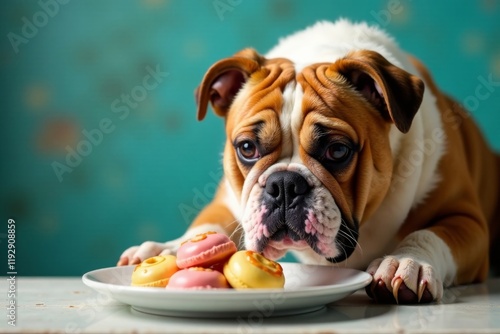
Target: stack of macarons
[199,258]
[209,261]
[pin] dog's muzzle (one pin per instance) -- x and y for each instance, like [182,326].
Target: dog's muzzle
[290,201]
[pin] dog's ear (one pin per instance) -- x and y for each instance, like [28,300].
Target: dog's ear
[396,93]
[223,80]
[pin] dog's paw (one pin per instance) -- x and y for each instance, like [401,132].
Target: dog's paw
[403,280]
[137,254]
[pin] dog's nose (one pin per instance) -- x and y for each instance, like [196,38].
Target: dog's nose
[285,186]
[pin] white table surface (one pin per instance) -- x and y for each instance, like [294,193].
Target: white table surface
[66,305]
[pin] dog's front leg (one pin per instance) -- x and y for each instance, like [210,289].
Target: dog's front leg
[453,251]
[215,217]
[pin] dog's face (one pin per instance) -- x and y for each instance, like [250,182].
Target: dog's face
[309,151]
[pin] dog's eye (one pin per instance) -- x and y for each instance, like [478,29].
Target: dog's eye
[247,151]
[338,153]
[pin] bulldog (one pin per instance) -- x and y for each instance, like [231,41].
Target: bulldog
[342,149]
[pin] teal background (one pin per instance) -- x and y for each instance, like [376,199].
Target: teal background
[146,179]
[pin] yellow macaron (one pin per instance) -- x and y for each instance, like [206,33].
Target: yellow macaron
[155,271]
[250,270]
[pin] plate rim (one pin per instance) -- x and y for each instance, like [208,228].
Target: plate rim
[165,302]
[362,280]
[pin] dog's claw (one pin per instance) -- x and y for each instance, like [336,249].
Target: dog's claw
[395,288]
[421,288]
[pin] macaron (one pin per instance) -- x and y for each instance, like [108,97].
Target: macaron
[198,278]
[205,250]
[247,269]
[154,271]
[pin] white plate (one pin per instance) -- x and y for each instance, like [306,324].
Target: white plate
[308,288]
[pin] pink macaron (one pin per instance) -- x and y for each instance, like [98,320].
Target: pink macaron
[205,250]
[198,278]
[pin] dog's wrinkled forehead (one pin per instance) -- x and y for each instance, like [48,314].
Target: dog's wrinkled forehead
[270,108]
[262,94]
